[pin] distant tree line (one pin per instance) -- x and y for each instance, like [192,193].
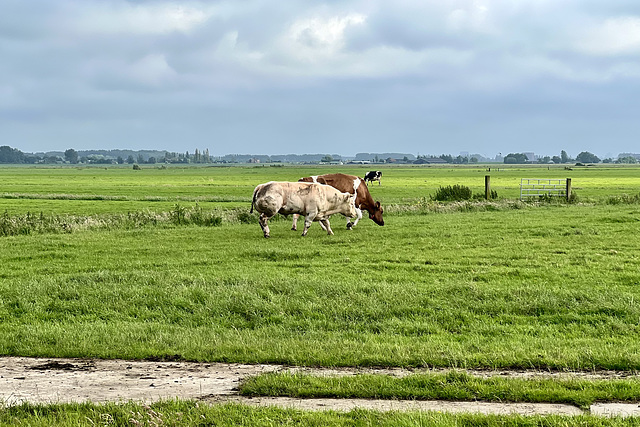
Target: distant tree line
[15,156]
[583,157]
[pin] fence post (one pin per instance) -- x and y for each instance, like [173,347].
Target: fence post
[487,187]
[568,189]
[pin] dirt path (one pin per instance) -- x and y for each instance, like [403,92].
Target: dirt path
[78,380]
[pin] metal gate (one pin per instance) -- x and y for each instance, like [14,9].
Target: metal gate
[538,187]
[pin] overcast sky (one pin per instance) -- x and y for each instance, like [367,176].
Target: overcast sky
[339,77]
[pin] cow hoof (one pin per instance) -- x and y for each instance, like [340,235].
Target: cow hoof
[349,226]
[266,236]
[294,229]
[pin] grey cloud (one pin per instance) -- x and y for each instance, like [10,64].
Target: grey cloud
[420,76]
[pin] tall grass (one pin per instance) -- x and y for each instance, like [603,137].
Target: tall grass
[623,199]
[13,225]
[30,223]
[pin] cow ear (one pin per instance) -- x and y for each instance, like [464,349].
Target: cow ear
[378,205]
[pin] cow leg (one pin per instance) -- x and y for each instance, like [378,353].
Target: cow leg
[350,225]
[326,226]
[308,220]
[294,226]
[263,224]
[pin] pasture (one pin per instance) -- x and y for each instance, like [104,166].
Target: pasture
[508,285]
[71,190]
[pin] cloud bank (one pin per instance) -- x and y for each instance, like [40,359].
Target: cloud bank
[252,76]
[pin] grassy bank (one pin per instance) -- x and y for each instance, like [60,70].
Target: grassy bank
[453,385]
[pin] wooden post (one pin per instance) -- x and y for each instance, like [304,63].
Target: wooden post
[568,189]
[487,187]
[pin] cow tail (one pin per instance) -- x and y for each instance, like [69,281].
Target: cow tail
[253,200]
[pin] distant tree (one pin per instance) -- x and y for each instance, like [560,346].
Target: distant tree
[510,160]
[627,159]
[71,155]
[140,158]
[556,159]
[11,155]
[518,158]
[120,160]
[460,160]
[587,157]
[447,158]
[564,157]
[544,160]
[51,159]
[152,160]
[130,159]
[326,159]
[474,160]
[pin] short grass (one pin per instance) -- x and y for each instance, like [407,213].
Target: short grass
[551,288]
[189,413]
[122,189]
[453,385]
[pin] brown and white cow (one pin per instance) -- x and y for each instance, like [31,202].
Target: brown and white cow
[349,184]
[316,202]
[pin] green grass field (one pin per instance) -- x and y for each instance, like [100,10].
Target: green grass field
[485,289]
[119,189]
[471,285]
[181,413]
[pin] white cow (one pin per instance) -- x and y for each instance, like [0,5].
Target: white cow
[316,202]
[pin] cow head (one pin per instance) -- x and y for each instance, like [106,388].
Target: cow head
[376,215]
[352,205]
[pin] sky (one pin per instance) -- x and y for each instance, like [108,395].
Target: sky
[338,77]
